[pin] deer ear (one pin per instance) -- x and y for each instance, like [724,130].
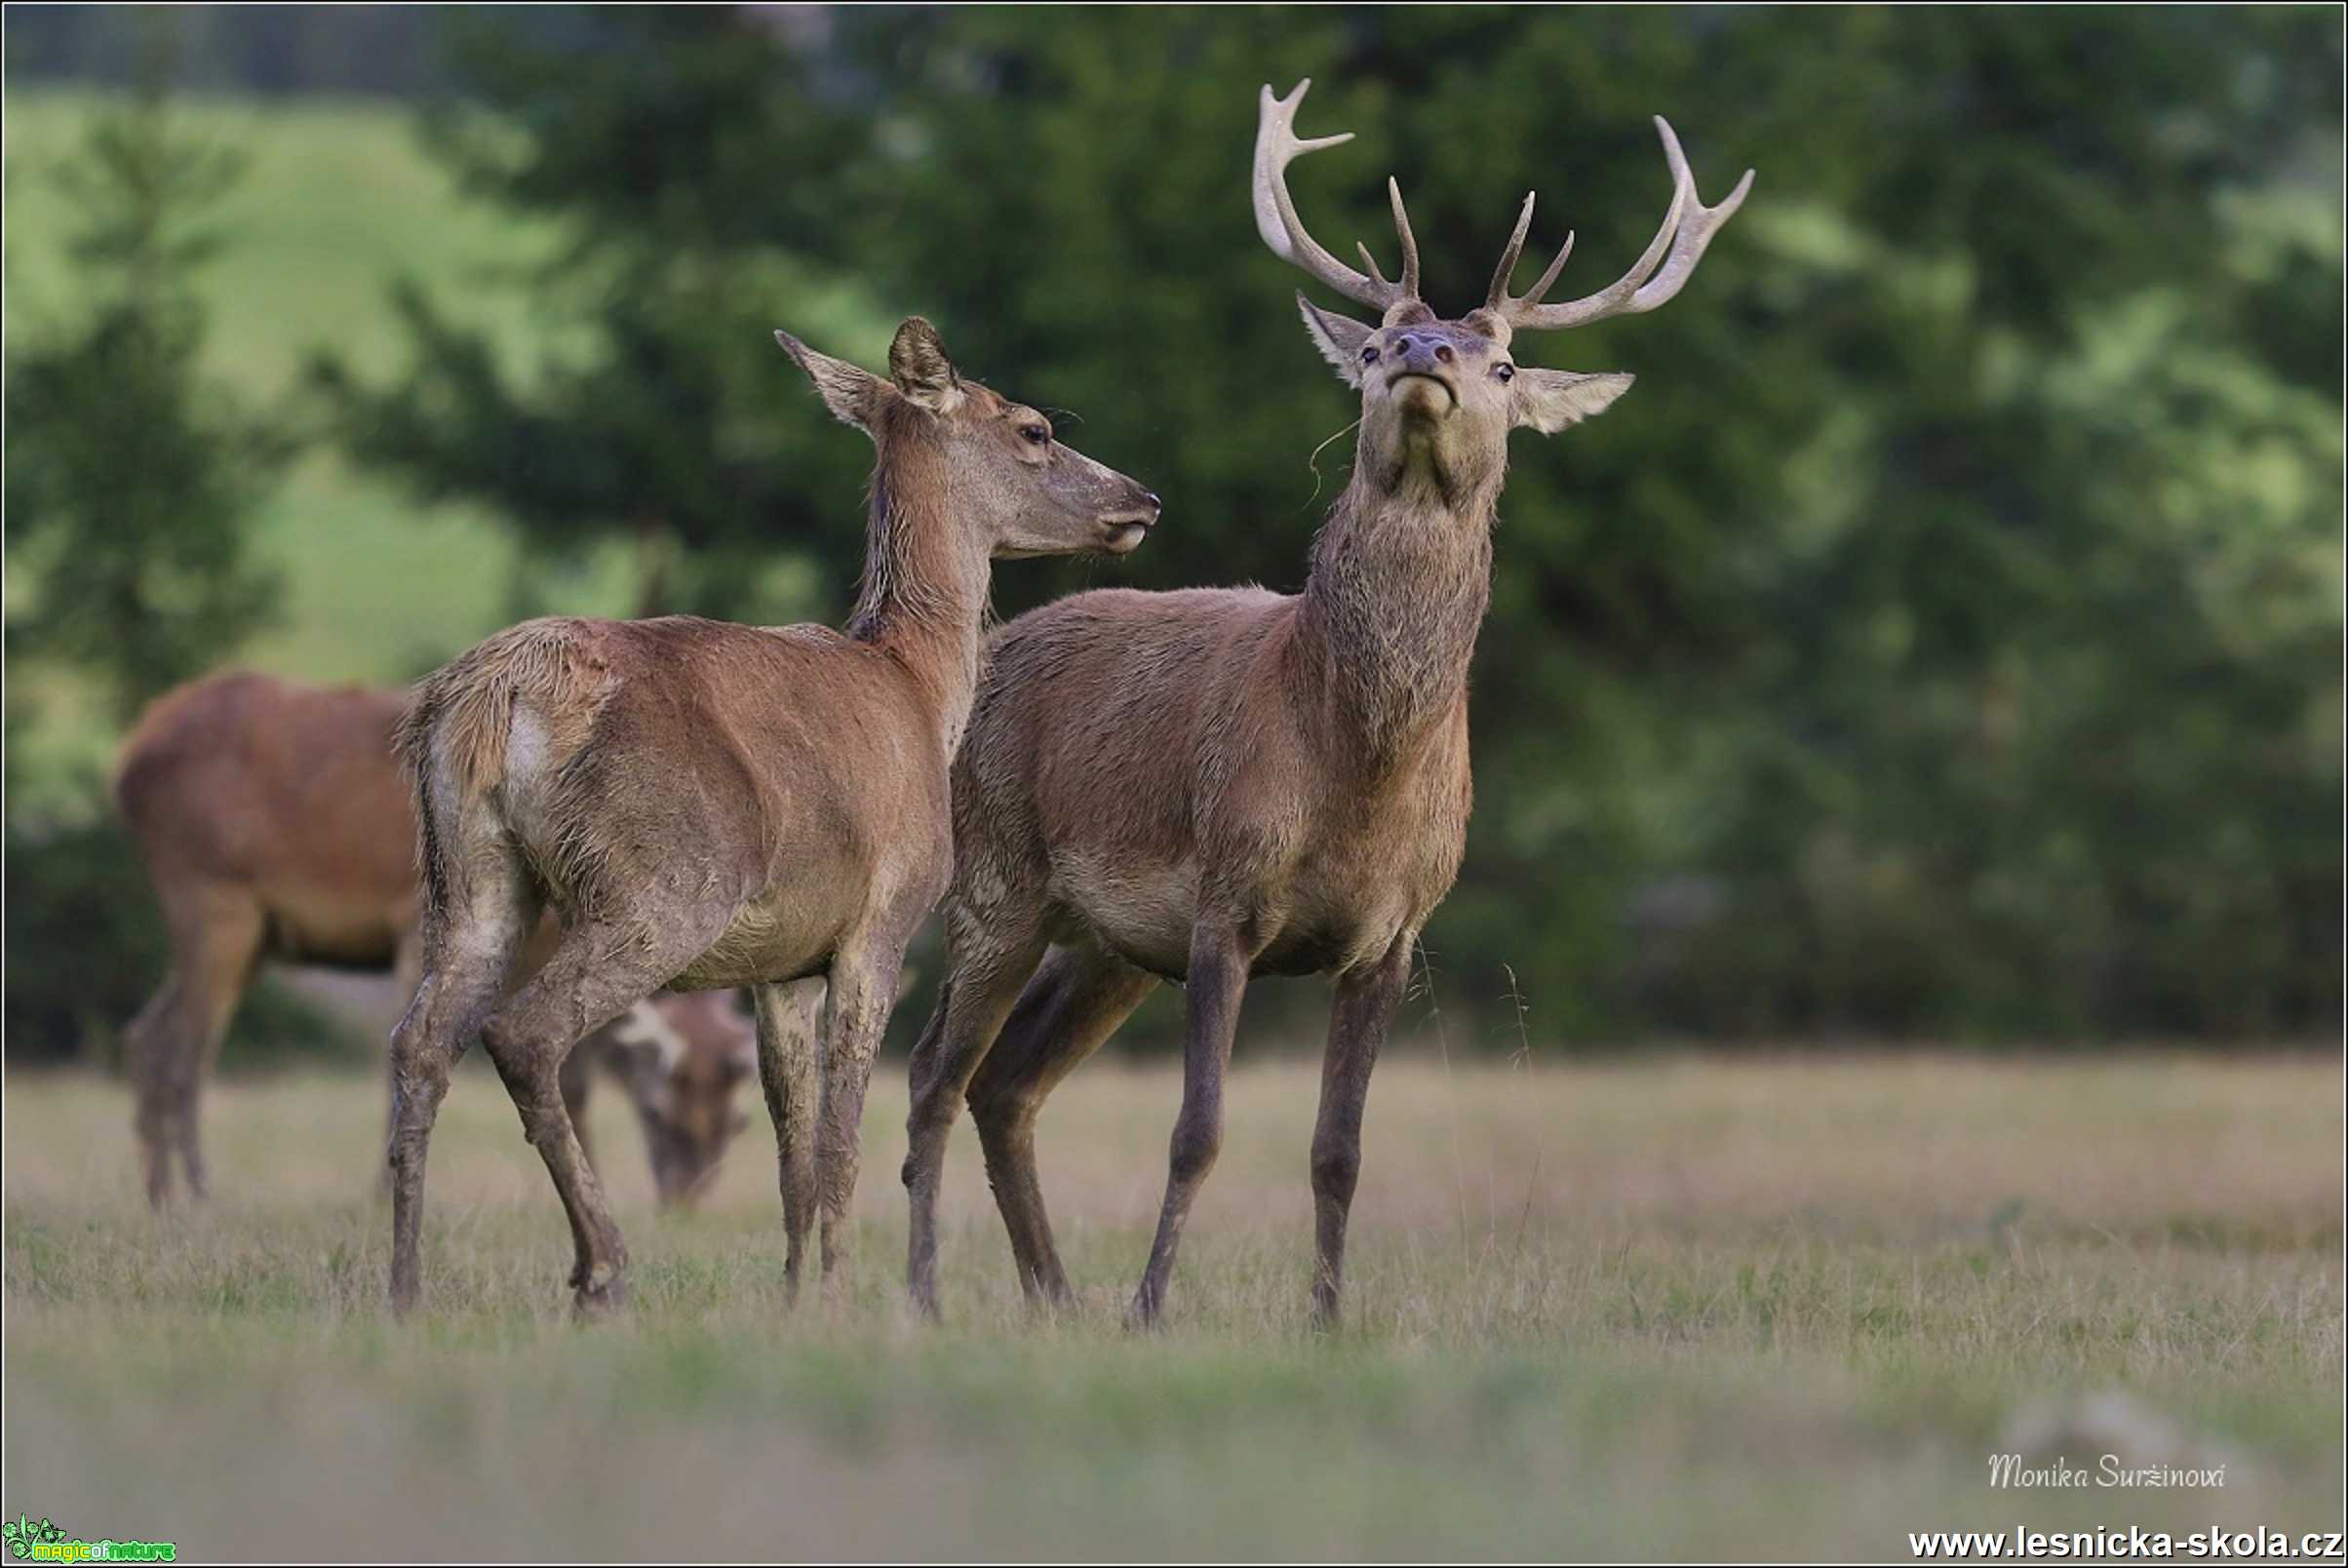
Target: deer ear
[1548,401]
[918,363]
[851,393]
[1338,338]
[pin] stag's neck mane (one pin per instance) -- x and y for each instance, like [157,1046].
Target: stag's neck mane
[1402,576]
[924,595]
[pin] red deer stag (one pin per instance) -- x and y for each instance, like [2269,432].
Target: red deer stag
[274,824]
[710,804]
[1208,785]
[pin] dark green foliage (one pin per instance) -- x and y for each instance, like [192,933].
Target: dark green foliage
[1944,637]
[684,425]
[274,49]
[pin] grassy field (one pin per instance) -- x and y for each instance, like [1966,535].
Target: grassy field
[1667,1307]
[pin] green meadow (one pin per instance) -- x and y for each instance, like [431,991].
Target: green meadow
[338,200]
[1660,1308]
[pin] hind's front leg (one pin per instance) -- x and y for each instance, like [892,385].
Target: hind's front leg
[863,989]
[789,1072]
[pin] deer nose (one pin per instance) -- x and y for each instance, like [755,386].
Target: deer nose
[1422,353]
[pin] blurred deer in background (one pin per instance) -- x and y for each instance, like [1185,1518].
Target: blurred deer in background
[1208,785]
[274,824]
[710,804]
[678,1059]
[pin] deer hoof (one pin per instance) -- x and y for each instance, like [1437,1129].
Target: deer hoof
[602,1291]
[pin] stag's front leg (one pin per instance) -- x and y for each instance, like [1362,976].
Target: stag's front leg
[1217,981]
[1366,1000]
[790,1073]
[863,989]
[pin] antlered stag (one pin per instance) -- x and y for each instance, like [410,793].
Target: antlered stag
[273,823]
[710,804]
[1212,784]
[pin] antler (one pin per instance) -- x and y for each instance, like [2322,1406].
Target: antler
[1688,227]
[1276,146]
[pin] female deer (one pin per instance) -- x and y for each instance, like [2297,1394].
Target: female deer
[709,805]
[273,823]
[1212,784]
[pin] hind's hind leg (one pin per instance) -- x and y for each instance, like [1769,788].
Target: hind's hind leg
[465,966]
[215,936]
[596,972]
[407,976]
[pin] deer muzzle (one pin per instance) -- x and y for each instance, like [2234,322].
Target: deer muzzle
[1127,525]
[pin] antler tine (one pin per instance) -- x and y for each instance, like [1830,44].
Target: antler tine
[1659,274]
[1548,274]
[1410,246]
[1410,243]
[1496,299]
[1497,296]
[1696,232]
[1276,146]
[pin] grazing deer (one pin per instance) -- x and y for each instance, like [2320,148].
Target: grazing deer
[1208,785]
[679,1058]
[274,824]
[710,804]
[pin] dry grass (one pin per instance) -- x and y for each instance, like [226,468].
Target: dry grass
[1678,1306]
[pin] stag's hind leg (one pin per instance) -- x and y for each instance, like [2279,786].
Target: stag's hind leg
[215,936]
[987,961]
[1076,1001]
[596,972]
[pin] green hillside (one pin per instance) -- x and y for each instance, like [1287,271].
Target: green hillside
[338,200]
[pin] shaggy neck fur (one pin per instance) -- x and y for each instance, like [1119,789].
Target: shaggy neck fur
[924,590]
[1402,576]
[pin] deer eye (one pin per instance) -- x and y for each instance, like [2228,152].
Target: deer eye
[1507,372]
[1034,435]
[1369,356]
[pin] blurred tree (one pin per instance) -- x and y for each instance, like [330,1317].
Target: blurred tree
[129,477]
[679,425]
[1944,637]
[129,480]
[236,48]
